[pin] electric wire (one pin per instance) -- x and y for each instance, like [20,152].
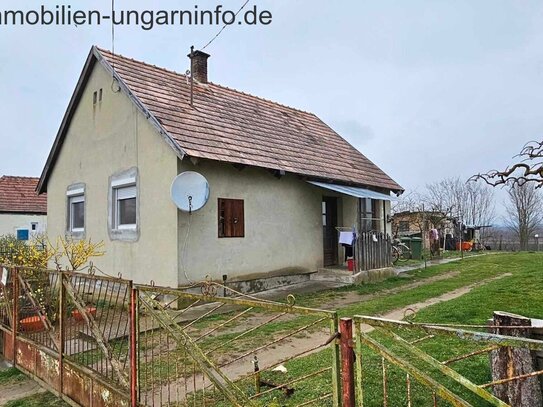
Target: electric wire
[184,251]
[224,26]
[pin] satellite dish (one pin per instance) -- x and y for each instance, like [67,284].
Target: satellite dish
[190,191]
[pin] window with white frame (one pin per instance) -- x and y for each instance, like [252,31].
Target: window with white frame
[124,205]
[76,210]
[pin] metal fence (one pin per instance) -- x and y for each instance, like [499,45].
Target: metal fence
[394,364]
[210,345]
[102,341]
[96,340]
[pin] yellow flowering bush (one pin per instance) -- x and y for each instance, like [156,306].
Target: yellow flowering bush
[37,253]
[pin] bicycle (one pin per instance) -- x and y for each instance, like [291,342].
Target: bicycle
[400,251]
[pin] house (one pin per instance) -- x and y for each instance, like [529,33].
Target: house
[419,223]
[22,211]
[281,181]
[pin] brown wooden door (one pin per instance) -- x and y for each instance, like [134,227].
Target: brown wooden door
[330,234]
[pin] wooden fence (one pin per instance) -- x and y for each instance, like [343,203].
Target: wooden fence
[373,251]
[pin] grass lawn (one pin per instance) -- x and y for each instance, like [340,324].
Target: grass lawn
[519,293]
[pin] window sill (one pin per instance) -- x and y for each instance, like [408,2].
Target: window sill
[125,234]
[75,234]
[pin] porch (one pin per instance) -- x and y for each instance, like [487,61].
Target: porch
[356,231]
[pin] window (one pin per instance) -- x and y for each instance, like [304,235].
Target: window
[76,210]
[231,218]
[124,212]
[34,226]
[22,234]
[404,226]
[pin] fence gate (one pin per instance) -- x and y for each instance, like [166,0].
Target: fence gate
[210,345]
[398,363]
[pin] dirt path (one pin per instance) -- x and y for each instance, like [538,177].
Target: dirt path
[400,313]
[352,297]
[271,356]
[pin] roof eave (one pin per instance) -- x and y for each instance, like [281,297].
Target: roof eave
[14,212]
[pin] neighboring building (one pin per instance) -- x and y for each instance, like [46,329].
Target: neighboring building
[22,211]
[281,181]
[419,223]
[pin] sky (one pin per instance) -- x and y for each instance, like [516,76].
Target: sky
[425,89]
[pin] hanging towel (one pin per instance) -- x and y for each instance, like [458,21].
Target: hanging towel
[346,238]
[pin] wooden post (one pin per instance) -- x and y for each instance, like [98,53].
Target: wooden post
[509,362]
[347,361]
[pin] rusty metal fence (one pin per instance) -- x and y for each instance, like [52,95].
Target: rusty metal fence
[69,331]
[102,341]
[210,345]
[394,364]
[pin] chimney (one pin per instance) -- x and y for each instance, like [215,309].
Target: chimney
[198,65]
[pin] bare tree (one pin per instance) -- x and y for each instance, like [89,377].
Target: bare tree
[525,211]
[469,202]
[529,169]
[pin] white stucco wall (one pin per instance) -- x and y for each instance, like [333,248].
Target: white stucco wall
[283,225]
[103,140]
[9,223]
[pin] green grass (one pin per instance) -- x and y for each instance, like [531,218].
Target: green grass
[38,400]
[11,375]
[518,293]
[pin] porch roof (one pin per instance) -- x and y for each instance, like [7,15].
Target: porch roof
[354,191]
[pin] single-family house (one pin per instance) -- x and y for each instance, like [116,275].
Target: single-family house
[22,211]
[282,183]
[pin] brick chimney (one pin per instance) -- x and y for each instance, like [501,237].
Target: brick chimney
[198,65]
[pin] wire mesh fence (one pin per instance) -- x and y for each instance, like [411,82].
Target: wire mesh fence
[412,364]
[197,347]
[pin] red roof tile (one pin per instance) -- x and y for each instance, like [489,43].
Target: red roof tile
[232,126]
[18,195]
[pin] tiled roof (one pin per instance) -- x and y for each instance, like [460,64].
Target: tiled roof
[231,126]
[18,195]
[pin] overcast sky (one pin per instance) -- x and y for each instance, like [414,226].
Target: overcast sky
[425,89]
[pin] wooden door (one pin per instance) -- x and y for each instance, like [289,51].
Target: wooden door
[330,234]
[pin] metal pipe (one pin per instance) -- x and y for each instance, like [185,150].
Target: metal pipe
[133,347]
[347,361]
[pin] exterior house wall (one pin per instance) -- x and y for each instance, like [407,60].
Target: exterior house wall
[10,222]
[103,140]
[283,226]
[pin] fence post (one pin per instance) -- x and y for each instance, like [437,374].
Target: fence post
[133,346]
[15,280]
[347,361]
[61,327]
[336,364]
